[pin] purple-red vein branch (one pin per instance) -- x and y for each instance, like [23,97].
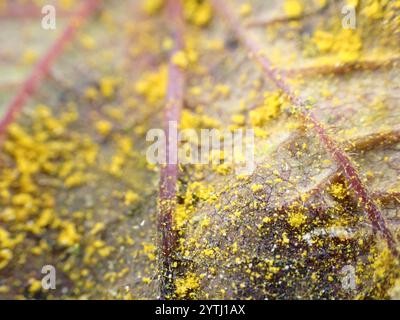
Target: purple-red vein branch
[169,172]
[302,107]
[43,67]
[26,11]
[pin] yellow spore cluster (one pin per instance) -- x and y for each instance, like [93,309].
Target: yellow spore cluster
[346,44]
[196,191]
[198,13]
[270,109]
[191,120]
[338,190]
[374,9]
[153,85]
[186,287]
[48,150]
[297,219]
[38,154]
[293,8]
[152,6]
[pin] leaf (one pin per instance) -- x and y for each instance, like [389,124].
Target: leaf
[324,195]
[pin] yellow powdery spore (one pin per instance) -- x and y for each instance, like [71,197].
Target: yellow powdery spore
[68,235]
[338,191]
[131,197]
[44,148]
[96,248]
[35,286]
[7,244]
[68,4]
[186,287]
[245,9]
[196,191]
[346,44]
[151,7]
[191,120]
[198,13]
[87,42]
[5,257]
[107,86]
[181,216]
[353,3]
[180,59]
[256,187]
[153,85]
[374,9]
[103,127]
[238,119]
[285,239]
[293,8]
[270,109]
[385,272]
[297,219]
[149,250]
[30,56]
